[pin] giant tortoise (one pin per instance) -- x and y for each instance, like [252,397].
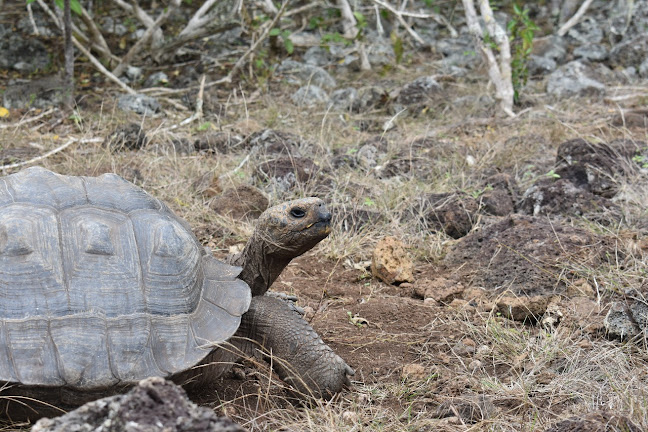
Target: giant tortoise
[102,285]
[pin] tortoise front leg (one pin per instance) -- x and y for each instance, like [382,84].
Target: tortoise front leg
[300,357]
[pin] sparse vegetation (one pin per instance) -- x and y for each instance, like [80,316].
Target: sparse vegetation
[511,375]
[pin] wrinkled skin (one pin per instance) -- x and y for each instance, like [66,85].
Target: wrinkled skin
[303,359]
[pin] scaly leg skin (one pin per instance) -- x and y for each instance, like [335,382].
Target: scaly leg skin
[300,357]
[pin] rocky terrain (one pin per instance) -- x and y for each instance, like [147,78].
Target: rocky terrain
[483,273]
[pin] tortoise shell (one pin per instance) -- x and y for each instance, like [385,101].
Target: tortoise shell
[101,284]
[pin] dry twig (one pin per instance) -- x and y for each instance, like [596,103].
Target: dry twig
[574,20]
[50,153]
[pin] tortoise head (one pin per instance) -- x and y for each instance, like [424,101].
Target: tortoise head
[292,228]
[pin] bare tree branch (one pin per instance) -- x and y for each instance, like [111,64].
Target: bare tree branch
[241,62]
[50,153]
[574,20]
[145,37]
[144,18]
[399,17]
[98,41]
[97,64]
[500,74]
[349,22]
[200,18]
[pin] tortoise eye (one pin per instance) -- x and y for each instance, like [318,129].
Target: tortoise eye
[297,213]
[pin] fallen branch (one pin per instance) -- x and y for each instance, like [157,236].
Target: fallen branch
[50,153]
[101,67]
[574,20]
[28,120]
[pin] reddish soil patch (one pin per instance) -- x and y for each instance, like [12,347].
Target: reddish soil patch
[388,329]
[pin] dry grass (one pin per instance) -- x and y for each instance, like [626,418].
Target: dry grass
[533,376]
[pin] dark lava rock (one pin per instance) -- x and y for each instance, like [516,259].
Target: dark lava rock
[599,421]
[41,93]
[241,202]
[631,52]
[526,256]
[423,90]
[154,405]
[24,55]
[596,167]
[500,196]
[455,214]
[561,196]
[127,137]
[627,320]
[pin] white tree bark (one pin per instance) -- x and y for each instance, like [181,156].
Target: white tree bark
[144,18]
[574,20]
[349,23]
[499,72]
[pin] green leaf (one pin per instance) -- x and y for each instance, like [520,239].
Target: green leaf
[75,6]
[289,45]
[275,32]
[516,9]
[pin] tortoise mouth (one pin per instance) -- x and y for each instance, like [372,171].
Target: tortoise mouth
[323,227]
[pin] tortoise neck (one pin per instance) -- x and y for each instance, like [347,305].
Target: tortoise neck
[261,267]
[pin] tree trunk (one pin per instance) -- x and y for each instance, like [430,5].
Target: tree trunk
[68,78]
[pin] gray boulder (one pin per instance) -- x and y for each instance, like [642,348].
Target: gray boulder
[301,73]
[138,103]
[591,52]
[342,99]
[541,65]
[630,53]
[309,95]
[587,31]
[574,79]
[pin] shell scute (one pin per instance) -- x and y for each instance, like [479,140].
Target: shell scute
[129,345]
[101,262]
[31,270]
[80,342]
[170,271]
[37,185]
[33,354]
[112,191]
